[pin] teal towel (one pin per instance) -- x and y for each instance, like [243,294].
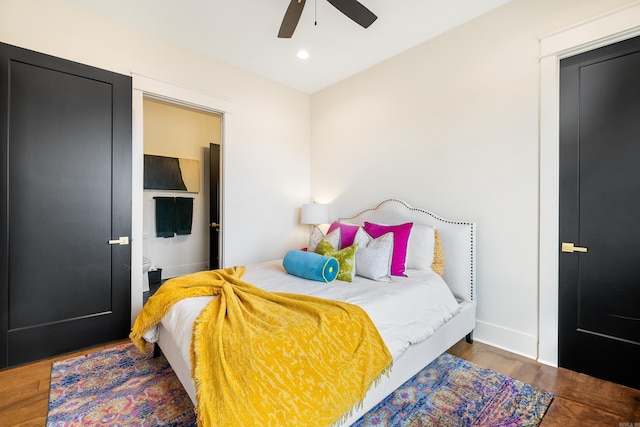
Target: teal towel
[184,215]
[165,216]
[310,265]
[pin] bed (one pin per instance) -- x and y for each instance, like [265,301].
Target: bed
[450,322]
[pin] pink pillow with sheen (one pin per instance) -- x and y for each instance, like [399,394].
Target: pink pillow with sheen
[400,241]
[347,233]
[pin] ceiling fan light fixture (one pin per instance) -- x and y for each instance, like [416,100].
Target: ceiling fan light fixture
[353,9]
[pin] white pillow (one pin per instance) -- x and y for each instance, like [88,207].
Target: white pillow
[373,258]
[316,236]
[421,246]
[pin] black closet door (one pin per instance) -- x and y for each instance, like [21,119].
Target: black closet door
[65,194]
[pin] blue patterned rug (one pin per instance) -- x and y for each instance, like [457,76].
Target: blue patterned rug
[453,392]
[121,387]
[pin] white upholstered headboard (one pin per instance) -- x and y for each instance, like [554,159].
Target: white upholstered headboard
[457,238]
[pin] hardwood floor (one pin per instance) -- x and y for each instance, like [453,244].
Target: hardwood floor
[579,400]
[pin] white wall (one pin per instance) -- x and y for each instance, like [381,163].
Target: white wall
[266,158]
[452,126]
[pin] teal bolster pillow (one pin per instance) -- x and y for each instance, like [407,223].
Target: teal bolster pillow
[310,265]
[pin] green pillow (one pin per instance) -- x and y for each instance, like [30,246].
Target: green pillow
[346,258]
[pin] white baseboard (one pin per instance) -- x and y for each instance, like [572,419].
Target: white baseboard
[545,362]
[506,339]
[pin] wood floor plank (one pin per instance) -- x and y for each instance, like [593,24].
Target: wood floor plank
[11,396]
[590,391]
[564,412]
[25,373]
[31,410]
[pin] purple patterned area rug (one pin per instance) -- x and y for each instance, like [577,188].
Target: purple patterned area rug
[120,387]
[453,392]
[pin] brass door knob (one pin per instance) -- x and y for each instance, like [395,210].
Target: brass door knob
[570,247]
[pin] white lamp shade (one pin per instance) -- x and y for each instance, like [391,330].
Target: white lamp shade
[314,213]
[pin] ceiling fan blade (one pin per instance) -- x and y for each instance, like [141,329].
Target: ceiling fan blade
[356,11]
[291,18]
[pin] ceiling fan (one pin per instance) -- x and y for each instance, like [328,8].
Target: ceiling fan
[352,8]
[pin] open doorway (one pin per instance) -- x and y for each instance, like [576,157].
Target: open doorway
[148,87]
[177,132]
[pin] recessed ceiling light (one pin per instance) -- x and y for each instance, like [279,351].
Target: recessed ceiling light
[303,54]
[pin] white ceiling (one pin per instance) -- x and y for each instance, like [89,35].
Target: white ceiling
[244,33]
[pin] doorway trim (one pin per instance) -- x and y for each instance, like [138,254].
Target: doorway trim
[145,86]
[612,27]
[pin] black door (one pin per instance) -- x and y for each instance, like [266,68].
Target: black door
[65,193]
[599,295]
[214,206]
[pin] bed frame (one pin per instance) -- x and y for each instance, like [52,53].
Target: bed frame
[458,245]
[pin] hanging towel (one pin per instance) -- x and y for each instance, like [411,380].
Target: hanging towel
[184,215]
[165,216]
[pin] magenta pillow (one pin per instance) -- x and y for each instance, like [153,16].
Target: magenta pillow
[400,241]
[347,233]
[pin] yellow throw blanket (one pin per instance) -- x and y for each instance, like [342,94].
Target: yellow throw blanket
[271,359]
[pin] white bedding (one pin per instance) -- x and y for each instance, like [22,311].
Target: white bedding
[407,311]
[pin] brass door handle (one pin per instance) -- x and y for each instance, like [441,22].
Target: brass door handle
[124,240]
[570,247]
[215,224]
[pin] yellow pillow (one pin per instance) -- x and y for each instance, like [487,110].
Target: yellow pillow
[438,255]
[346,258]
